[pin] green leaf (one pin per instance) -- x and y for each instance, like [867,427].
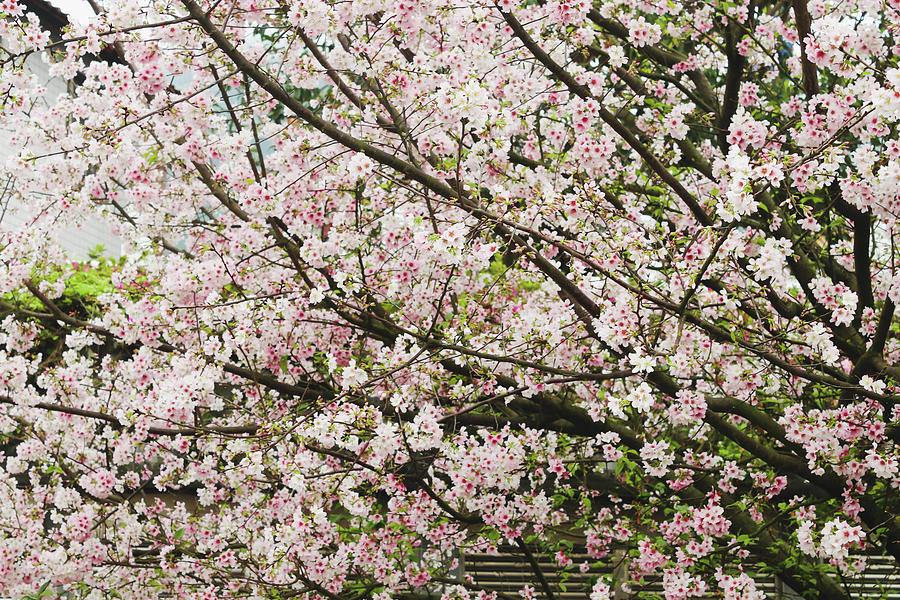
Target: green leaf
[43,591]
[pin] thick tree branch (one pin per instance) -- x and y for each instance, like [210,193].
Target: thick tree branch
[804,21]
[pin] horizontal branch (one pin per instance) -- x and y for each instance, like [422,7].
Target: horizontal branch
[117,424]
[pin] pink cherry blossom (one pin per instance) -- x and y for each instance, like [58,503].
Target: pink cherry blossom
[403,284]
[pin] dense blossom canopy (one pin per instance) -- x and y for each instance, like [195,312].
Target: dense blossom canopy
[413,278]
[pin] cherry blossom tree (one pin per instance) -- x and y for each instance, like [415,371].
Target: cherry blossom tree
[409,279]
